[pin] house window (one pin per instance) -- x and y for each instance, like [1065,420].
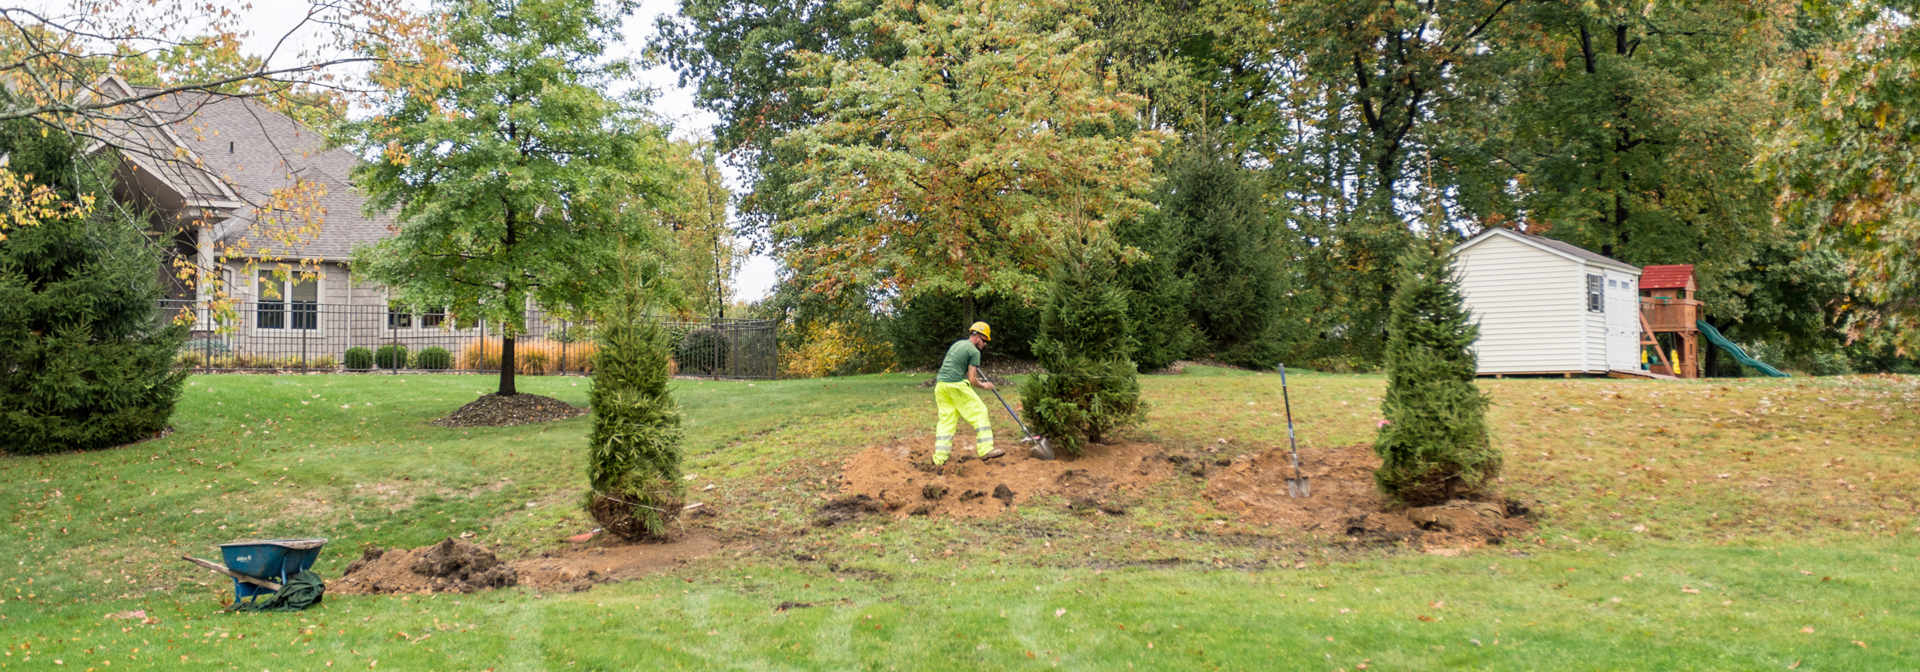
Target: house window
[1596,295]
[403,317]
[288,300]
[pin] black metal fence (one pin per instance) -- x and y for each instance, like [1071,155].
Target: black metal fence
[306,336]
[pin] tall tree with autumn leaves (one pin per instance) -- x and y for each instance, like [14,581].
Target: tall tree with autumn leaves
[962,161]
[513,172]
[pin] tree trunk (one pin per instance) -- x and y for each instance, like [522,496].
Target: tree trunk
[506,367]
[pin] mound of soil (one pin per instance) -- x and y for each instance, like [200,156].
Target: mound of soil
[899,480]
[455,566]
[451,566]
[494,410]
[1342,500]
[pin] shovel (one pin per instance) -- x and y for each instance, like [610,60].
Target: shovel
[1036,444]
[1297,485]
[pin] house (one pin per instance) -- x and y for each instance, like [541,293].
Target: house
[252,196]
[1545,306]
[247,193]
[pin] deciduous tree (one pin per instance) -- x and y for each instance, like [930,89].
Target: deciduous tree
[514,175]
[956,166]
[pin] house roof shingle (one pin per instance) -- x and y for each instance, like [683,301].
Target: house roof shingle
[258,150]
[255,151]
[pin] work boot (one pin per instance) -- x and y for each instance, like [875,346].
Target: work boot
[992,454]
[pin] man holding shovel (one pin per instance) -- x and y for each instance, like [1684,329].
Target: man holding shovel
[953,395]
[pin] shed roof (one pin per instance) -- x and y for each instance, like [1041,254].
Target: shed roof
[1561,248]
[1666,276]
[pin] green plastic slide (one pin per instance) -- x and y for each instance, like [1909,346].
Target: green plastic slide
[1739,355]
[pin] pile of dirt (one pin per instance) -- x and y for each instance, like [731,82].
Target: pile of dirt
[494,410]
[451,566]
[1344,501]
[898,479]
[455,566]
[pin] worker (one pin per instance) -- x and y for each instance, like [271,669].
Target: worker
[953,395]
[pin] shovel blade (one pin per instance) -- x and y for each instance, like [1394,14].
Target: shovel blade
[1041,450]
[1297,487]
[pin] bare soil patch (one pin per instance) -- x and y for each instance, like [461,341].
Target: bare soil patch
[456,566]
[899,479]
[494,410]
[1343,501]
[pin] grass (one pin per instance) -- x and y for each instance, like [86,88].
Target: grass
[1684,525]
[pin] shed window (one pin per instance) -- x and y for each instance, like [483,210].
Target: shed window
[1596,295]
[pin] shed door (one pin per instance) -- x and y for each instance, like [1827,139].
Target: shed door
[1623,322]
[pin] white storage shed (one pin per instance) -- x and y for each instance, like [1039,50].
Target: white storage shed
[1545,306]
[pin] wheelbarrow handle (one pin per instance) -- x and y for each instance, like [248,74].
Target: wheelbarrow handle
[209,564]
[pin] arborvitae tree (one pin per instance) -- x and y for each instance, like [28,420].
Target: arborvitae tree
[86,362]
[1228,255]
[633,461]
[1088,389]
[1434,446]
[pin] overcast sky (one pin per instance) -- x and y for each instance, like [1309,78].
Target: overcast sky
[268,21]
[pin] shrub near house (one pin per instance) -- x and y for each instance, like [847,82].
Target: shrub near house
[87,363]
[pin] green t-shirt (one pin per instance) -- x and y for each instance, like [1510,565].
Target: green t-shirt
[953,369]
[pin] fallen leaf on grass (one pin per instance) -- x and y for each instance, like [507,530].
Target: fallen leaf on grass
[1690,590]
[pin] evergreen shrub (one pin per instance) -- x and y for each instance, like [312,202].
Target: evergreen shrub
[88,362]
[391,357]
[358,359]
[434,358]
[633,461]
[1434,446]
[1089,386]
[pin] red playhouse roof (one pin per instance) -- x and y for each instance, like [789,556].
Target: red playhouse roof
[1670,276]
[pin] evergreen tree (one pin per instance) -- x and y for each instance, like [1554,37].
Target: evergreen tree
[1227,256]
[1089,388]
[633,460]
[87,362]
[1158,296]
[1434,446]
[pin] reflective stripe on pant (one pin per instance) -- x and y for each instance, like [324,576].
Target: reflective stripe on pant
[957,401]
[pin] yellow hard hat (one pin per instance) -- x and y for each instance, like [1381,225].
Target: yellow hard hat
[982,329]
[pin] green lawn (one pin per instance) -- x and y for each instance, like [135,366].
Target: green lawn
[1683,525]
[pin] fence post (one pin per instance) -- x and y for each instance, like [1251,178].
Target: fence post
[564,337]
[206,344]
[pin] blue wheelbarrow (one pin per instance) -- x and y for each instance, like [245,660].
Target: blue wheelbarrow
[261,566]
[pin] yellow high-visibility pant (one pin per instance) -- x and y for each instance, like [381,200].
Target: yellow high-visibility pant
[958,401]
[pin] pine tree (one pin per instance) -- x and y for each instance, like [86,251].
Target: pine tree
[87,362]
[1434,446]
[1227,254]
[1158,296]
[633,459]
[1089,387]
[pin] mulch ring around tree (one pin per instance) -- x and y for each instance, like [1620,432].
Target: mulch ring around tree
[1343,501]
[459,566]
[494,410]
